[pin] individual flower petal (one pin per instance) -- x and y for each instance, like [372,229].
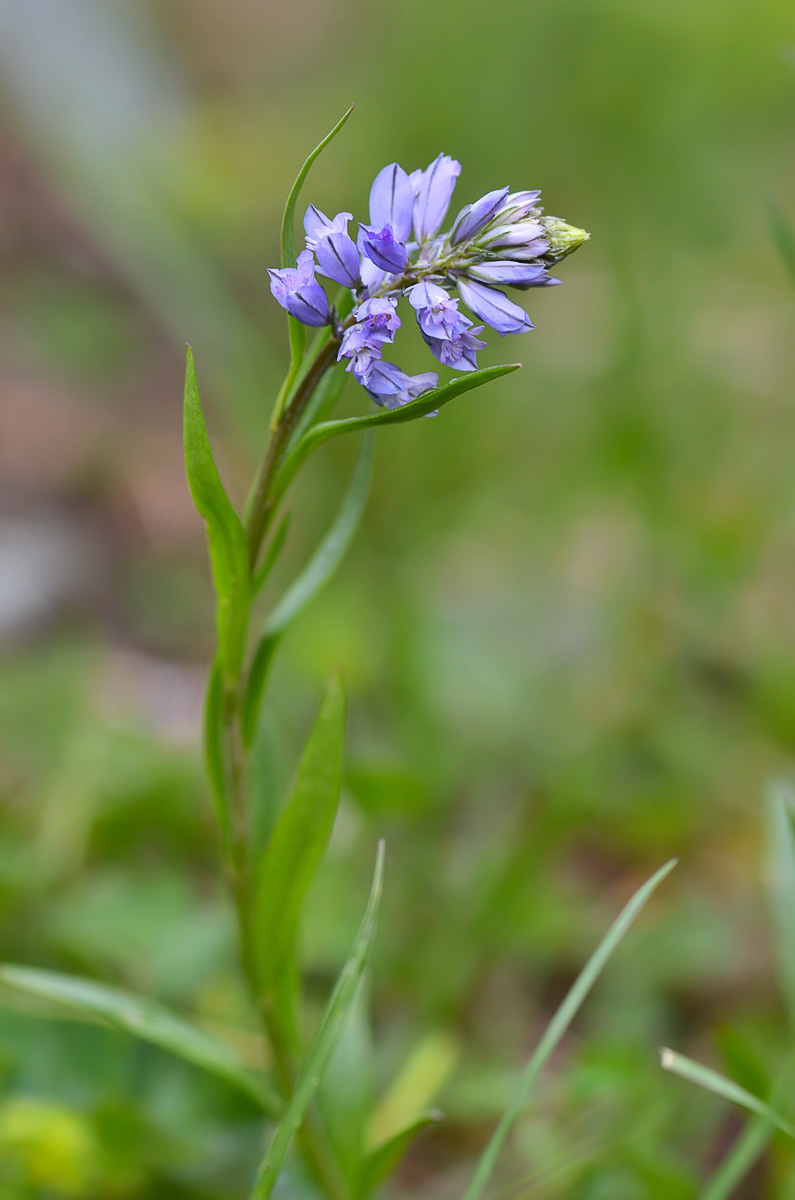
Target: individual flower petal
[433,198]
[494,307]
[382,248]
[392,201]
[297,290]
[519,205]
[516,233]
[338,258]
[336,252]
[459,352]
[514,274]
[390,387]
[472,218]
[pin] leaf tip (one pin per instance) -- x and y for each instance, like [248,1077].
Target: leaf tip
[667,1058]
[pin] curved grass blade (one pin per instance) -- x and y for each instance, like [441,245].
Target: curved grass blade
[145,1019]
[421,407]
[225,533]
[558,1026]
[296,329]
[713,1081]
[292,855]
[326,1039]
[751,1143]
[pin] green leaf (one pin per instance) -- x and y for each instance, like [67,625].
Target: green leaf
[292,855]
[421,407]
[781,885]
[326,1039]
[783,236]
[147,1020]
[296,329]
[381,1162]
[557,1028]
[288,230]
[416,1085]
[331,550]
[324,562]
[712,1081]
[227,538]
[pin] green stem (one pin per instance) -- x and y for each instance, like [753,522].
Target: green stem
[260,507]
[313,1142]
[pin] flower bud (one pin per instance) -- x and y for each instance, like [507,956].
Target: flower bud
[563,238]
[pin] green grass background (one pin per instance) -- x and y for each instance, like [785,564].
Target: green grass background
[567,626]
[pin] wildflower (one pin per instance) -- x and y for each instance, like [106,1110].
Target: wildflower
[392,388]
[383,248]
[472,218]
[362,343]
[433,190]
[392,201]
[503,240]
[297,290]
[437,312]
[333,246]
[458,352]
[494,307]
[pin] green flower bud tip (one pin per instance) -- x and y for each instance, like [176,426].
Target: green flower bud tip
[563,238]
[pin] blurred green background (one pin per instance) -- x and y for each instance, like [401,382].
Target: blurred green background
[567,626]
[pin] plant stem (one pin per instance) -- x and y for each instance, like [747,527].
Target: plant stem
[316,1151]
[259,509]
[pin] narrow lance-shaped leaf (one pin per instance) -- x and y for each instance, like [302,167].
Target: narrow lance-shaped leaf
[145,1019]
[557,1028]
[296,329]
[421,407]
[713,1081]
[292,855]
[325,1041]
[315,575]
[226,536]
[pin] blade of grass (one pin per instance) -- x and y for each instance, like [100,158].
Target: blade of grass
[326,1039]
[719,1085]
[752,1142]
[558,1026]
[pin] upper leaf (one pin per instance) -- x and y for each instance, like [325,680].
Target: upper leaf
[226,536]
[428,403]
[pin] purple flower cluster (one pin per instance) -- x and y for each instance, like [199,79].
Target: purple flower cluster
[502,240]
